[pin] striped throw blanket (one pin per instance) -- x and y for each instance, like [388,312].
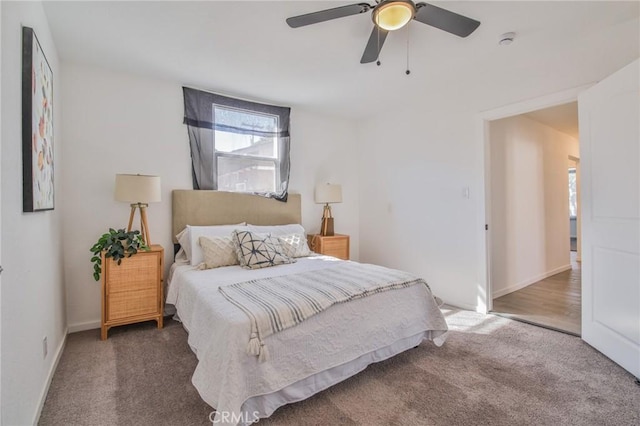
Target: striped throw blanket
[277,303]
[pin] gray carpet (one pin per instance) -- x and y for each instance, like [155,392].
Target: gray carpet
[491,371]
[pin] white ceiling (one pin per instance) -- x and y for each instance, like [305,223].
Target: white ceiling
[563,118]
[246,49]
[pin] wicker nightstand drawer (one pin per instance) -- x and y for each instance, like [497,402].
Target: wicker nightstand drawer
[132,304]
[133,273]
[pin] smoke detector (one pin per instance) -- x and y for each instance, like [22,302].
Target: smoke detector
[507,38]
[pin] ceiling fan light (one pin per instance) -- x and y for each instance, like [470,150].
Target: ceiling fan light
[393,15]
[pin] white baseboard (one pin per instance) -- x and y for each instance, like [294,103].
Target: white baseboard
[47,383]
[92,325]
[527,282]
[463,306]
[82,326]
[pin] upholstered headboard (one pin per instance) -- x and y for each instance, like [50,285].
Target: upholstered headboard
[192,207]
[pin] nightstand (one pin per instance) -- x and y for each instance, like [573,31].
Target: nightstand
[336,245]
[132,291]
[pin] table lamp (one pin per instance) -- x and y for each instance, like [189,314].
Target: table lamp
[327,194]
[139,190]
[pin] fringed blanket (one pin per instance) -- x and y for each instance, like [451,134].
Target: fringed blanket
[277,303]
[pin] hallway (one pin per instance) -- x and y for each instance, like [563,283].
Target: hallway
[554,302]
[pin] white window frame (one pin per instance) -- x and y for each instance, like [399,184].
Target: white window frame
[218,154]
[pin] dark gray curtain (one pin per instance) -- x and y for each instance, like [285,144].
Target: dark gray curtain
[199,118]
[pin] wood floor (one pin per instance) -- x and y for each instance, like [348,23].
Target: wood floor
[554,302]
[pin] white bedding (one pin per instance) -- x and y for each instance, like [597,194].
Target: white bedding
[339,341]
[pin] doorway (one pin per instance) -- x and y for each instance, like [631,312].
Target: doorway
[535,276]
[609,113]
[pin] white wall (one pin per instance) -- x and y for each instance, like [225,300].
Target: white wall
[324,149]
[33,303]
[123,123]
[418,156]
[529,202]
[414,168]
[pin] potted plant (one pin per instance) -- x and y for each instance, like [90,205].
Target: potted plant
[116,245]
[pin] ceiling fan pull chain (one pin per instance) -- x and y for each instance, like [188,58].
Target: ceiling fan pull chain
[378,63]
[408,33]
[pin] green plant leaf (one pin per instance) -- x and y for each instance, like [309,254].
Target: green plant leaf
[116,244]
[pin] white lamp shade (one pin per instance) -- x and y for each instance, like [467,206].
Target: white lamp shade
[328,193]
[137,188]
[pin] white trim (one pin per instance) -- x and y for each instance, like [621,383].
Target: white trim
[485,304]
[82,326]
[47,383]
[546,101]
[465,306]
[528,282]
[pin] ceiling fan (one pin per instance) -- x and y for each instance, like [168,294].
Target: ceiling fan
[391,15]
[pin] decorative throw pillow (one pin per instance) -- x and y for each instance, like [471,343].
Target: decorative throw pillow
[257,251]
[194,233]
[295,245]
[218,252]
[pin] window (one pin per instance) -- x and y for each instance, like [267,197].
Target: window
[573,198]
[245,162]
[237,145]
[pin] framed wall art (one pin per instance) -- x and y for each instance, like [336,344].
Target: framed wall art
[37,126]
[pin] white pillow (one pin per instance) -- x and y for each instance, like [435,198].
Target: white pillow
[189,240]
[185,244]
[218,252]
[181,257]
[277,230]
[295,245]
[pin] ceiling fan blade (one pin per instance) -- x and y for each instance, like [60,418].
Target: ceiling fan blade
[374,45]
[327,15]
[445,20]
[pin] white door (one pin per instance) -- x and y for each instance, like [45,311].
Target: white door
[609,115]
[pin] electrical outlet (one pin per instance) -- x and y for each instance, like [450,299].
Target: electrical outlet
[44,347]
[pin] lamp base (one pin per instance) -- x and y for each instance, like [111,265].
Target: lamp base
[326,227]
[144,227]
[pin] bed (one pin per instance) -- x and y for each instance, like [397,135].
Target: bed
[321,351]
